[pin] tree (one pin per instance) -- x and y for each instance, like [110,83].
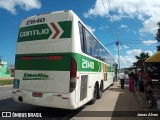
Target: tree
[158,33]
[142,56]
[140,60]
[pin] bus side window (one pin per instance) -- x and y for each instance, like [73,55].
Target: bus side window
[88,41]
[81,36]
[95,48]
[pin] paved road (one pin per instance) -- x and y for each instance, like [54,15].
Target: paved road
[5,92]
[7,104]
[114,99]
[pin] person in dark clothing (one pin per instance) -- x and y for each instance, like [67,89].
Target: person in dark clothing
[136,80]
[141,81]
[148,86]
[131,82]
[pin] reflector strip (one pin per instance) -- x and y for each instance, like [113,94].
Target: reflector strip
[26,58]
[55,57]
[42,58]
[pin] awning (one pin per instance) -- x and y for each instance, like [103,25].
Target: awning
[154,58]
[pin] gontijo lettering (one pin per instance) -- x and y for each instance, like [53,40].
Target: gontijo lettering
[34,32]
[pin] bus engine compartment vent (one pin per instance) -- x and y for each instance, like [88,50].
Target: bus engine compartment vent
[84,81]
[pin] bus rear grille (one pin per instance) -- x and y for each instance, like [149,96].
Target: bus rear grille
[84,80]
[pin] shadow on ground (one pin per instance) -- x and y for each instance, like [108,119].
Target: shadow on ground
[47,113]
[128,105]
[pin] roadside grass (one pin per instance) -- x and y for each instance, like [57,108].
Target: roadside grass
[6,82]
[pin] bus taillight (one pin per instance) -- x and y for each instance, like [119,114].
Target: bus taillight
[73,75]
[73,71]
[26,58]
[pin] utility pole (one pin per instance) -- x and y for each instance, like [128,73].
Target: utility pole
[117,43]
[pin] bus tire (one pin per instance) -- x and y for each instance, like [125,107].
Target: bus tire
[94,95]
[100,91]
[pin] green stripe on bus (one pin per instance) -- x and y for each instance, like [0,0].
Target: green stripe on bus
[84,63]
[87,64]
[66,27]
[43,64]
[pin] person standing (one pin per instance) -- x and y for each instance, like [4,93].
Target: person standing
[141,81]
[136,80]
[131,82]
[122,77]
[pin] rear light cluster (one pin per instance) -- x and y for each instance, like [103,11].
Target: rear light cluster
[73,71]
[42,58]
[73,75]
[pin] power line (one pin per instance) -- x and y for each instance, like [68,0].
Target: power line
[112,43]
[116,33]
[110,9]
[128,45]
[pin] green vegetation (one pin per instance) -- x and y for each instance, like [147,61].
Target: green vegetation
[6,82]
[142,56]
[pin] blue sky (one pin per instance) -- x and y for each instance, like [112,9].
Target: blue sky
[133,22]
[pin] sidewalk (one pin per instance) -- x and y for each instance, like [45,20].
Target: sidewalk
[156,95]
[116,104]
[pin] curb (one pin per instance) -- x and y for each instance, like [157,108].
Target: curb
[6,85]
[7,78]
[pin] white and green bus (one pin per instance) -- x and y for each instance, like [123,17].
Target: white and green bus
[59,62]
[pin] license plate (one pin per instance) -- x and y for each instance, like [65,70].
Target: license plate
[37,94]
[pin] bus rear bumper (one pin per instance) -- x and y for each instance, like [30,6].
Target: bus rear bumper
[47,99]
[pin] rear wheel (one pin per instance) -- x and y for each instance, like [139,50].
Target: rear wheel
[100,91]
[95,93]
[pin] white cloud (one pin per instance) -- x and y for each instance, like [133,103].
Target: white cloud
[125,46]
[91,29]
[125,61]
[141,17]
[123,26]
[27,5]
[146,11]
[150,25]
[115,18]
[120,47]
[134,32]
[149,52]
[98,10]
[149,42]
[103,27]
[134,52]
[128,60]
[128,30]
